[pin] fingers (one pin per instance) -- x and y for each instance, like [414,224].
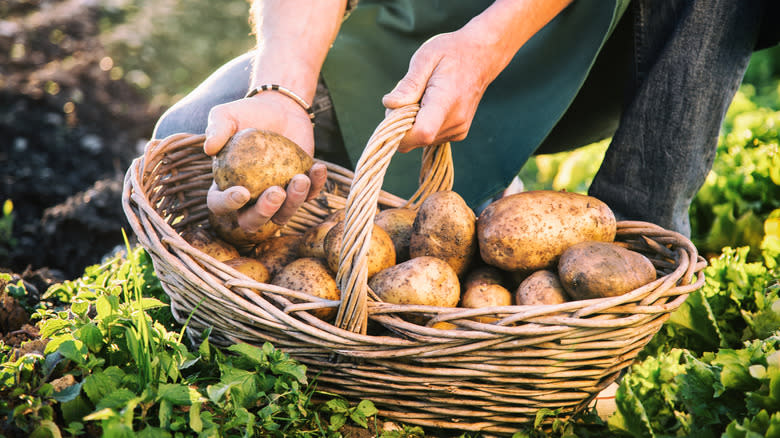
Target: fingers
[220,128]
[318,175]
[429,120]
[224,202]
[411,87]
[263,210]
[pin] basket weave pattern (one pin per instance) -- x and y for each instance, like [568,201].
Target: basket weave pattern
[488,377]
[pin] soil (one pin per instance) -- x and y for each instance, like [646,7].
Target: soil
[68,132]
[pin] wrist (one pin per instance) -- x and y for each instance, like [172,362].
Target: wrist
[286,92]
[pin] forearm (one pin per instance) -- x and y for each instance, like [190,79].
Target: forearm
[507,25]
[293,38]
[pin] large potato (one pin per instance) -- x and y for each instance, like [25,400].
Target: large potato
[602,269]
[541,287]
[210,244]
[311,276]
[257,160]
[380,255]
[423,280]
[277,252]
[530,230]
[398,223]
[226,226]
[445,228]
[250,267]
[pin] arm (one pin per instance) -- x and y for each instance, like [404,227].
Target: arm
[293,37]
[449,73]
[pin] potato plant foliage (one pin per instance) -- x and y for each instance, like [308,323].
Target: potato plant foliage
[116,364]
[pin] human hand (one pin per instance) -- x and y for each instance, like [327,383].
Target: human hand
[449,73]
[448,76]
[273,112]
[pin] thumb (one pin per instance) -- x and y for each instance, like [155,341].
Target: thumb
[218,131]
[411,87]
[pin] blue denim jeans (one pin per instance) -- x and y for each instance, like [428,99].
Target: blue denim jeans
[681,70]
[689,58]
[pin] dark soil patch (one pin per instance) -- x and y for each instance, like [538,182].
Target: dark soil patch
[68,132]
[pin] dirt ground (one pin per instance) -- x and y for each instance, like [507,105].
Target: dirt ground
[68,132]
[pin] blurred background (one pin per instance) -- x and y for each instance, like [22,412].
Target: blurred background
[83,81]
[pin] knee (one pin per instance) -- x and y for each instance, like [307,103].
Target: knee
[181,118]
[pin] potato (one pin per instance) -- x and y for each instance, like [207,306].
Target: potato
[398,223]
[541,287]
[444,325]
[277,252]
[422,280]
[486,295]
[207,243]
[313,242]
[602,269]
[445,228]
[380,255]
[530,230]
[484,274]
[250,267]
[257,160]
[311,276]
[226,226]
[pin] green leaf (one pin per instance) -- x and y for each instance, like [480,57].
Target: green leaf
[337,420]
[46,428]
[102,414]
[103,308]
[75,410]
[79,308]
[74,350]
[254,354]
[115,399]
[149,303]
[175,393]
[101,383]
[196,423]
[153,432]
[363,410]
[337,405]
[630,417]
[695,315]
[115,429]
[92,337]
[165,413]
[291,368]
[735,369]
[50,327]
[366,408]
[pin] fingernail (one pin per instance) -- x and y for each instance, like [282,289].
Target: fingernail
[237,197]
[299,185]
[276,197]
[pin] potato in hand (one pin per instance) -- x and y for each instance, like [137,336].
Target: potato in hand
[258,159]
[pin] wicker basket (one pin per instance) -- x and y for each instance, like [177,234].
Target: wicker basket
[476,377]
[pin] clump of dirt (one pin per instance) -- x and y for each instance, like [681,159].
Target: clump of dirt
[69,127]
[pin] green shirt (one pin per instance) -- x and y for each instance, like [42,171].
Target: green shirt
[518,110]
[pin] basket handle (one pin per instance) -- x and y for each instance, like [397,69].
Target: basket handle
[436,174]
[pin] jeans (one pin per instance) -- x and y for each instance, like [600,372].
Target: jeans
[687,61]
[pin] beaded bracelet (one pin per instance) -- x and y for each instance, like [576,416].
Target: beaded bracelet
[287,92]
